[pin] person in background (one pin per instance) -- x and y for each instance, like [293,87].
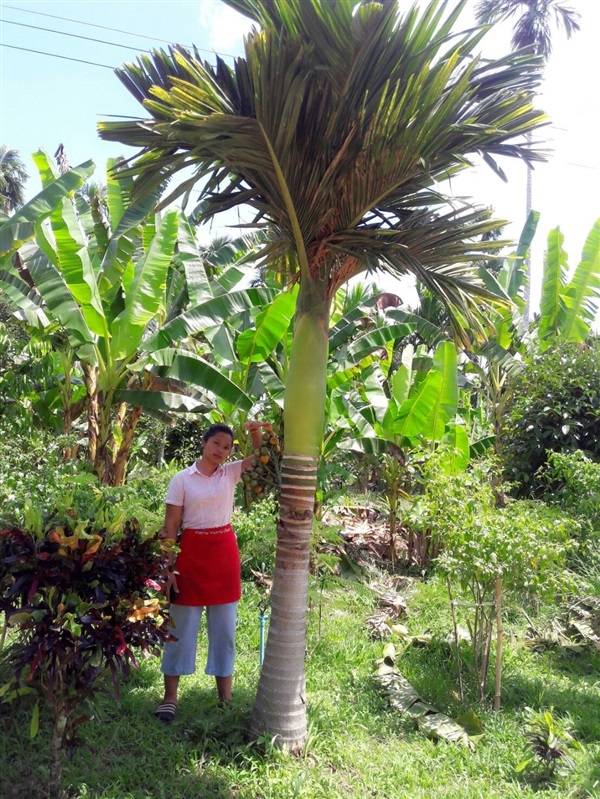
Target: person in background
[206,573]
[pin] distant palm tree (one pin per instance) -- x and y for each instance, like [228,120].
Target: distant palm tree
[12,179]
[533,29]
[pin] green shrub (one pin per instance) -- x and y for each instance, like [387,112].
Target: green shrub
[573,483]
[256,531]
[33,472]
[554,407]
[524,545]
[525,542]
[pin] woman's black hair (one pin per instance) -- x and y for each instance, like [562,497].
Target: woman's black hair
[214,430]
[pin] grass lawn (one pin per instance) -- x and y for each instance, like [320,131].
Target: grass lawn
[358,746]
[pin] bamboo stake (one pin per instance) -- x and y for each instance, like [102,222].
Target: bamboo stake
[489,626]
[498,643]
[456,641]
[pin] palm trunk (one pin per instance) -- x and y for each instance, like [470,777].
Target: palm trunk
[280,705]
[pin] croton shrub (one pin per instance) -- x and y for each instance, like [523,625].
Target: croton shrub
[80,598]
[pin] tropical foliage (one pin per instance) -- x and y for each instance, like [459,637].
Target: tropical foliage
[532,32]
[125,290]
[485,550]
[533,28]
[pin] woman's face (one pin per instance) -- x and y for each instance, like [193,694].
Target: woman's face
[217,448]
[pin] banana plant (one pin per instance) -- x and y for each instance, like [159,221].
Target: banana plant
[127,290]
[420,404]
[501,354]
[570,301]
[569,304]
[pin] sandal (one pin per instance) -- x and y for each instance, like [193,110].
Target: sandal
[166,712]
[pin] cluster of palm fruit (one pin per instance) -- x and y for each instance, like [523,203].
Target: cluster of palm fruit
[264,476]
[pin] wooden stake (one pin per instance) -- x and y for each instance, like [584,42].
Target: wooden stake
[498,643]
[456,641]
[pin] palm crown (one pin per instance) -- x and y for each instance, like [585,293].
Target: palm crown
[335,128]
[12,179]
[533,28]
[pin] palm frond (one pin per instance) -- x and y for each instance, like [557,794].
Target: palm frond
[334,130]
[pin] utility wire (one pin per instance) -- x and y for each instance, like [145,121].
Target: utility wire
[73,35]
[114,30]
[55,55]
[89,24]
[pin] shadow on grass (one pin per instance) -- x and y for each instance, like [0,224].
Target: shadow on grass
[129,754]
[582,705]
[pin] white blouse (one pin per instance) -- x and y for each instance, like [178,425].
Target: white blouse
[206,501]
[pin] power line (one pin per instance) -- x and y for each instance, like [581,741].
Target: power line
[55,55]
[73,35]
[114,30]
[89,24]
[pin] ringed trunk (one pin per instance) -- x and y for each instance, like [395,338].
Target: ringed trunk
[280,705]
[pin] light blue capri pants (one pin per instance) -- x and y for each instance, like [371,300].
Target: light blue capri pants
[179,657]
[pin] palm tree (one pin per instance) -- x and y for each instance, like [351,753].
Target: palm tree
[12,179]
[334,128]
[534,25]
[532,30]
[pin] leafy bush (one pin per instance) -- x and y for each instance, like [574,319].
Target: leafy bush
[256,531]
[81,597]
[34,473]
[523,544]
[573,483]
[553,408]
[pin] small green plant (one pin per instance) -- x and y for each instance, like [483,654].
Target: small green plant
[549,738]
[393,472]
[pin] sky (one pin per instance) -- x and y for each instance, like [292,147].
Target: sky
[46,101]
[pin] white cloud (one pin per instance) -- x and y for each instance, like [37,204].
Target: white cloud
[223,27]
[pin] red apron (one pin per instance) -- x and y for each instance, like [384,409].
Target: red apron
[208,567]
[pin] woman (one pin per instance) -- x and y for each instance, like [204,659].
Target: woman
[207,569]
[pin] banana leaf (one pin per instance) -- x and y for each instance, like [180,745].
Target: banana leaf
[69,251]
[20,227]
[211,313]
[553,283]
[457,456]
[376,339]
[144,294]
[582,293]
[166,401]
[271,326]
[426,413]
[193,370]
